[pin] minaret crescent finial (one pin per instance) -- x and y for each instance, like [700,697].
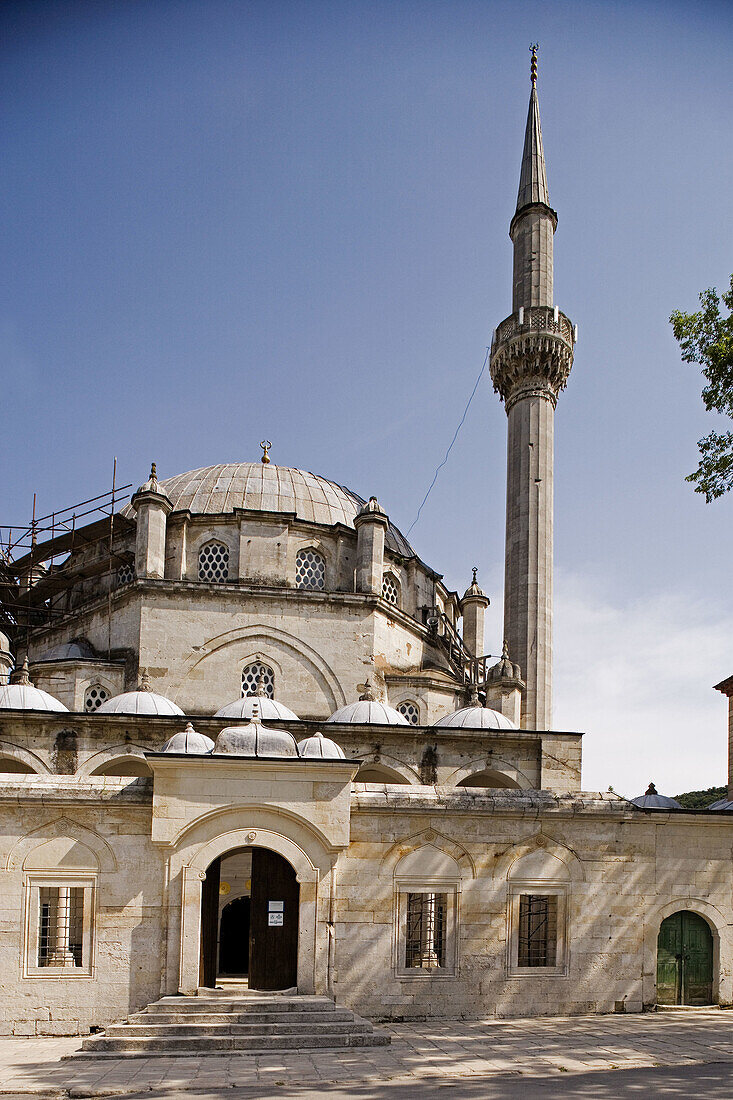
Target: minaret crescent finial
[533,69]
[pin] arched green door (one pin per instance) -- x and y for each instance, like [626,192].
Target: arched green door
[685,961]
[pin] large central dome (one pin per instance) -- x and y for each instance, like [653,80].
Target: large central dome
[264,487]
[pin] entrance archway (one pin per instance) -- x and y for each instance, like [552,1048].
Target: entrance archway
[255,936]
[685,960]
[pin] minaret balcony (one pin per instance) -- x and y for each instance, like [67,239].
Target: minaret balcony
[532,353]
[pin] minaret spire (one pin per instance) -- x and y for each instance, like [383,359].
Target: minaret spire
[531,357]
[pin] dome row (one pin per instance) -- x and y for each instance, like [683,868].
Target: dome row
[368,710]
[254,739]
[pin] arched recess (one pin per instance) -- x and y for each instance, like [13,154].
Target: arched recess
[124,767]
[722,934]
[498,767]
[99,763]
[397,771]
[267,639]
[538,854]
[216,834]
[489,779]
[28,762]
[439,842]
[69,830]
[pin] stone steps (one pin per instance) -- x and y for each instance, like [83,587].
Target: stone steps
[250,1023]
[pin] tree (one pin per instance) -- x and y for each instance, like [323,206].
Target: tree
[706,338]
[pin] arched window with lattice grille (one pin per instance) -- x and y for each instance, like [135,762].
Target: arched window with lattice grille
[125,574]
[391,589]
[255,672]
[310,570]
[214,563]
[94,696]
[409,710]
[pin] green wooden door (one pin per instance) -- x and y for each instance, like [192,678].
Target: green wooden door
[684,961]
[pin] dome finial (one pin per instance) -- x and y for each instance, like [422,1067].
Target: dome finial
[265,444]
[505,650]
[368,696]
[651,789]
[533,69]
[144,680]
[260,691]
[21,675]
[153,472]
[475,571]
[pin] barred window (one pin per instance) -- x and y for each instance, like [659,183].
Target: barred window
[214,562]
[125,574]
[537,930]
[94,697]
[426,927]
[310,570]
[391,589]
[409,710]
[251,676]
[60,926]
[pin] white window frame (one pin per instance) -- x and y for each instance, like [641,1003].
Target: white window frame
[412,703]
[318,552]
[452,889]
[33,883]
[213,541]
[561,891]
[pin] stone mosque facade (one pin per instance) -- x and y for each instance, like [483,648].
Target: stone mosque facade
[265,750]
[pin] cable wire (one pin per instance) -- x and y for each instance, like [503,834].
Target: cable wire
[450,445]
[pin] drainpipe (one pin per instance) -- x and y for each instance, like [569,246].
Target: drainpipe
[331,931]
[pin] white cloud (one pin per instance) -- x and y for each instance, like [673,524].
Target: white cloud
[637,679]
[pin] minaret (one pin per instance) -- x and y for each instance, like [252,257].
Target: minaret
[531,357]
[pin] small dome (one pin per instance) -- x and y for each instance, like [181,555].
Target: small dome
[722,804]
[320,746]
[254,739]
[20,694]
[504,669]
[142,701]
[190,741]
[70,651]
[474,591]
[650,800]
[268,709]
[368,711]
[476,717]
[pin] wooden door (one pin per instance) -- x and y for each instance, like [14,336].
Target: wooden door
[209,925]
[684,960]
[274,912]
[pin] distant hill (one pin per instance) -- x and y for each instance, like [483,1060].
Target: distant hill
[698,800]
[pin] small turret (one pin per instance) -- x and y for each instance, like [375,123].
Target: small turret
[473,608]
[152,507]
[371,525]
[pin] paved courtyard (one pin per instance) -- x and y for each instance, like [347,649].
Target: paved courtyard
[487,1058]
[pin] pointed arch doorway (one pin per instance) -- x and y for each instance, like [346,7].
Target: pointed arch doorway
[258,926]
[685,960]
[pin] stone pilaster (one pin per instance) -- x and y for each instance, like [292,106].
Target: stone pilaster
[371,524]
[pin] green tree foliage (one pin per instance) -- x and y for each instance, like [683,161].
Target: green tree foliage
[706,337]
[699,800]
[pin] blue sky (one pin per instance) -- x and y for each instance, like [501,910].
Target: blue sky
[230,221]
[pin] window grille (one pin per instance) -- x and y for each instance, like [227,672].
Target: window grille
[94,698]
[426,923]
[391,589]
[125,574]
[60,925]
[409,711]
[251,675]
[537,930]
[310,570]
[214,562]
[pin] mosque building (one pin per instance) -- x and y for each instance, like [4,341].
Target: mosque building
[252,742]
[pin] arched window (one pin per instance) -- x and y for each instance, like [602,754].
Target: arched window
[310,570]
[125,574]
[409,710]
[94,697]
[391,589]
[214,563]
[251,676]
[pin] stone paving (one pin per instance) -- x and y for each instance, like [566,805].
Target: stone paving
[456,1049]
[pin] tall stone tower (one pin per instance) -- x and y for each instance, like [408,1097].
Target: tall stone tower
[531,357]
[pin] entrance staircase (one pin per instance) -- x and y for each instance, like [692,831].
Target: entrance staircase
[247,1023]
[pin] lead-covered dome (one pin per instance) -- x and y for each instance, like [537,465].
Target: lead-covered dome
[142,701]
[21,694]
[268,709]
[254,739]
[652,800]
[189,741]
[476,717]
[261,487]
[321,748]
[369,711]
